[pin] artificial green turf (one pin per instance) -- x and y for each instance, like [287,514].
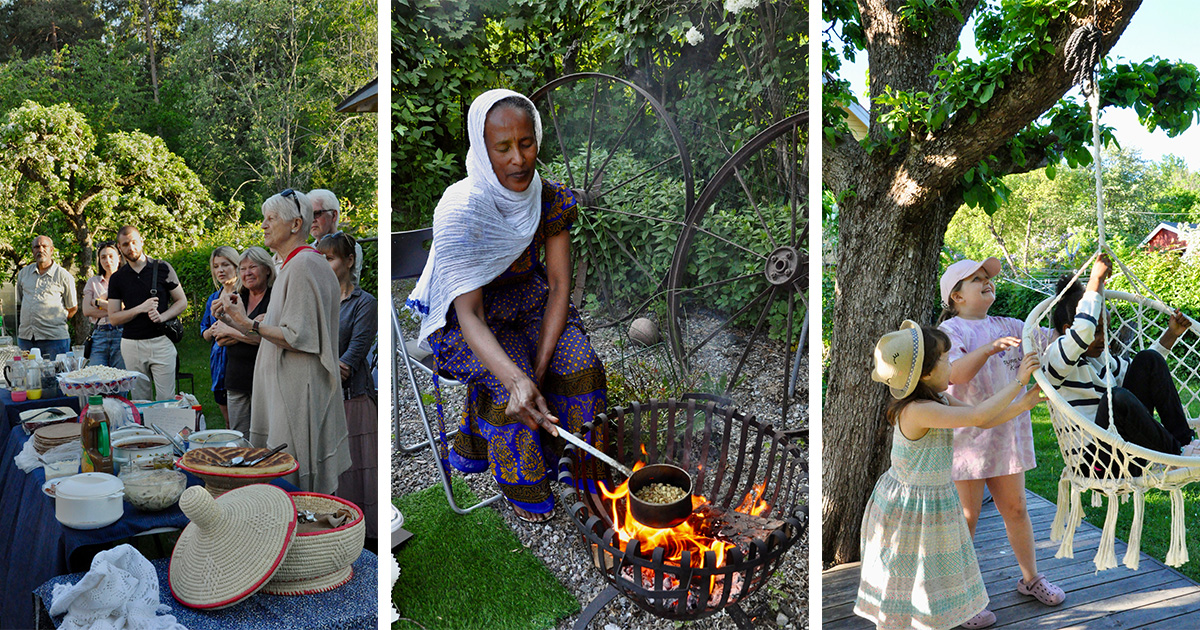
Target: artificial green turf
[466,572]
[1156,532]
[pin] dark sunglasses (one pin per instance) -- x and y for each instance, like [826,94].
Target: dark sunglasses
[296,200]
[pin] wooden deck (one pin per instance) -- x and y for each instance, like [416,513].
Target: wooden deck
[1154,596]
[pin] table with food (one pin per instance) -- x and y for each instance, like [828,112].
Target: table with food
[78,481]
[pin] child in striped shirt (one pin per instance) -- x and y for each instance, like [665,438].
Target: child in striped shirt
[1140,386]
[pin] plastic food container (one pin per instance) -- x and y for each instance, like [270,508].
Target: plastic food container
[216,437]
[61,464]
[89,501]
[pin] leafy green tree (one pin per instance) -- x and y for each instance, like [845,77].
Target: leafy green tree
[103,82]
[57,177]
[33,27]
[261,80]
[944,131]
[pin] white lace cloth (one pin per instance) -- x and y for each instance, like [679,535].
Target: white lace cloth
[119,592]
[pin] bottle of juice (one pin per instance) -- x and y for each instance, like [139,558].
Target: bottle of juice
[97,452]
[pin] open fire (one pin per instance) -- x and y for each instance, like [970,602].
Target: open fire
[697,535]
[749,487]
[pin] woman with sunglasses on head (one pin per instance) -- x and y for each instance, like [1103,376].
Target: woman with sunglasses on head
[356,333]
[297,381]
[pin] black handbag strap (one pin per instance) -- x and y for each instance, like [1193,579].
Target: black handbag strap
[154,280]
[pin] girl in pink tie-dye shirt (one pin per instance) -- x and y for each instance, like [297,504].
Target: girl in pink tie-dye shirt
[985,353]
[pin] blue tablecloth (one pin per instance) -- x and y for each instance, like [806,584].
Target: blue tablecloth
[34,546]
[11,411]
[353,605]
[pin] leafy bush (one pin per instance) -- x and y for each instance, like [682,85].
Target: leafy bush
[1014,300]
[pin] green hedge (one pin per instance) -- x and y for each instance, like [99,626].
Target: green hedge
[191,265]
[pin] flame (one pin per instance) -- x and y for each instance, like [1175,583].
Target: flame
[752,503]
[682,537]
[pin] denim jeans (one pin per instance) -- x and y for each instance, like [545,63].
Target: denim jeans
[106,347]
[50,348]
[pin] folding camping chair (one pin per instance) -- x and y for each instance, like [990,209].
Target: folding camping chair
[408,259]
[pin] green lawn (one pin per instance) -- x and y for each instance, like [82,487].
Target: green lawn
[193,358]
[1156,534]
[470,572]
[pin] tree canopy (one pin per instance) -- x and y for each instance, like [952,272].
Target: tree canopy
[725,70]
[944,130]
[57,177]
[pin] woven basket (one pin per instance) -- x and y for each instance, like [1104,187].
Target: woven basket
[320,561]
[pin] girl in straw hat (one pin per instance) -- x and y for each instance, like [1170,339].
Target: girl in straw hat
[918,563]
[985,355]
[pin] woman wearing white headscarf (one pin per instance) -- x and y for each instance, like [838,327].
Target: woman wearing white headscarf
[498,315]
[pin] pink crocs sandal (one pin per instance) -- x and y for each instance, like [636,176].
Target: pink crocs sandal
[1043,590]
[984,619]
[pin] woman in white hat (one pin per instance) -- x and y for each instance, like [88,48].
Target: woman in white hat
[494,298]
[918,562]
[985,354]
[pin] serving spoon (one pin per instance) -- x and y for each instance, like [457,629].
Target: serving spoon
[241,461]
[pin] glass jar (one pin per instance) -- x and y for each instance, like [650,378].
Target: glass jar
[152,484]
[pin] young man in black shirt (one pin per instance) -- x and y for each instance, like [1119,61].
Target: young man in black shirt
[138,302]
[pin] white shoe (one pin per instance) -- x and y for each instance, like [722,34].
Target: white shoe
[1192,449]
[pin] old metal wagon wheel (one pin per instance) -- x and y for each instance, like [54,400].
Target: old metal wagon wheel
[616,147]
[737,288]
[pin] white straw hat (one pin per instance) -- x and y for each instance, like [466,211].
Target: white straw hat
[898,359]
[233,545]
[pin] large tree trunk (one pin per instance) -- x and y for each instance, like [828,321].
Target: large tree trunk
[896,203]
[884,266]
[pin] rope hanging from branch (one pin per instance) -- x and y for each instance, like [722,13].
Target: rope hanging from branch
[1083,55]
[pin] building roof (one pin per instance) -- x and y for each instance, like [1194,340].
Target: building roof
[366,99]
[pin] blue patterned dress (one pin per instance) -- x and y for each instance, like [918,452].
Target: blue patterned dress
[575,388]
[918,562]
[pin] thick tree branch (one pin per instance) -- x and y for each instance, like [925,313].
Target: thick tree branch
[900,57]
[1025,96]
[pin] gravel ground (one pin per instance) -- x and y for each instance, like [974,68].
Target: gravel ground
[782,603]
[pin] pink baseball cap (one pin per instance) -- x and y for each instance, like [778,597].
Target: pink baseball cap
[964,269]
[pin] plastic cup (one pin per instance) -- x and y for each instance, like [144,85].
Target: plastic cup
[61,465]
[19,395]
[33,394]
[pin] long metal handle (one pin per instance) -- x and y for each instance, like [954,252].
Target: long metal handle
[273,451]
[570,437]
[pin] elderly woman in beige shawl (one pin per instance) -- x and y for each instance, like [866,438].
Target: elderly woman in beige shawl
[297,383]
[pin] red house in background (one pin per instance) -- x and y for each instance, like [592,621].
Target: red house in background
[1166,237]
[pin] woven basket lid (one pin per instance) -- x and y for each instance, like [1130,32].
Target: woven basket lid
[233,545]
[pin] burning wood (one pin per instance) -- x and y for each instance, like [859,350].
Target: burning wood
[709,528]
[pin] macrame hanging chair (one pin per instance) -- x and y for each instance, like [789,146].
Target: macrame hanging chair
[1099,459]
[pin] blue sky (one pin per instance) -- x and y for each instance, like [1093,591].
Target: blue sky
[1162,28]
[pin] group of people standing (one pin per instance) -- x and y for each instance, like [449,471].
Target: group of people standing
[129,301]
[291,333]
[291,340]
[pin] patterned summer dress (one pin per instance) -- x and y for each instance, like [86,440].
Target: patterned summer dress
[575,386]
[918,564]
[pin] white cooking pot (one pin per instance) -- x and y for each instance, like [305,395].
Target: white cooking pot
[216,437]
[131,449]
[89,500]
